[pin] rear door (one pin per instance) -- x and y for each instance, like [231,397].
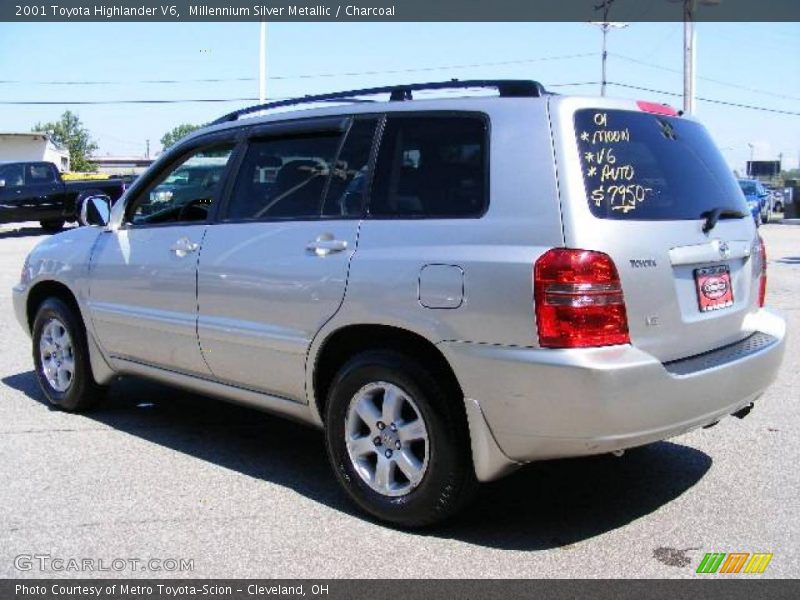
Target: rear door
[640,184]
[274,269]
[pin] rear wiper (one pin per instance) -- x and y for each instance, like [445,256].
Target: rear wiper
[715,214]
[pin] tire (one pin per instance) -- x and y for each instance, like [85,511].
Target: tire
[778,207]
[444,480]
[59,339]
[52,226]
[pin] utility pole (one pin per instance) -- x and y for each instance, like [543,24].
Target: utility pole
[689,43]
[604,26]
[147,149]
[690,49]
[262,64]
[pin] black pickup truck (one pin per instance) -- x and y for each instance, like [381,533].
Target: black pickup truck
[34,191]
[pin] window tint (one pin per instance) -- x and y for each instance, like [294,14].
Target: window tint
[431,167]
[186,192]
[39,174]
[283,178]
[643,166]
[13,175]
[349,179]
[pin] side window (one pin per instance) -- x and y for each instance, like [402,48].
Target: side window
[431,167]
[283,178]
[186,192]
[12,175]
[345,196]
[38,174]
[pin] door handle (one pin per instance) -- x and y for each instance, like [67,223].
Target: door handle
[325,245]
[183,247]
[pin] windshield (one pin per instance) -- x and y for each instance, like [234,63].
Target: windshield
[643,166]
[751,188]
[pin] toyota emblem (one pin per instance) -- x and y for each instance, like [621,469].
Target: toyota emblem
[724,250]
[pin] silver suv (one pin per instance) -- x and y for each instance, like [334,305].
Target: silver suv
[449,287]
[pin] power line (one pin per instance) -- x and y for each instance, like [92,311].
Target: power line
[187,100]
[709,79]
[307,75]
[709,100]
[249,99]
[143,101]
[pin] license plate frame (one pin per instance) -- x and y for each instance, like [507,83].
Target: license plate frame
[714,288]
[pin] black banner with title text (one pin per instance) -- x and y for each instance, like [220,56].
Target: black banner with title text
[365,589]
[397,10]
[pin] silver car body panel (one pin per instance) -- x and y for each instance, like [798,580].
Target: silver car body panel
[251,326]
[262,296]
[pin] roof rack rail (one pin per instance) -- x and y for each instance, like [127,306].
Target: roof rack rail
[507,88]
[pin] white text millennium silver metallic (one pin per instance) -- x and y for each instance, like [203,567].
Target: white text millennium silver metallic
[292,10]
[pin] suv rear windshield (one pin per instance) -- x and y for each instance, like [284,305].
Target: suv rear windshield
[644,166]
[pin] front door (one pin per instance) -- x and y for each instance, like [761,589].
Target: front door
[13,196]
[274,269]
[143,288]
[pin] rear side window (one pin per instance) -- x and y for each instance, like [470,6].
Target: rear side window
[643,166]
[40,173]
[283,178]
[348,184]
[433,167]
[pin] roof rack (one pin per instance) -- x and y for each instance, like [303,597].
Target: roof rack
[507,88]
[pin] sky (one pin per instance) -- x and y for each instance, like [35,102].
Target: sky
[756,64]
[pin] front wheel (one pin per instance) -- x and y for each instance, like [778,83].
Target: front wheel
[397,443]
[61,358]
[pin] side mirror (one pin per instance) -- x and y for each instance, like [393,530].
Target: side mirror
[95,210]
[2,183]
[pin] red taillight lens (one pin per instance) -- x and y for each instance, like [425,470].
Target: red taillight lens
[579,300]
[657,109]
[762,279]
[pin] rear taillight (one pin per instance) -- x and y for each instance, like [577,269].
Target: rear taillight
[762,277]
[579,300]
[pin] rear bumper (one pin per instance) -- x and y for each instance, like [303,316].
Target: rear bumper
[556,403]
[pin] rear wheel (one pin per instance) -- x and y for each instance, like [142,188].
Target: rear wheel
[52,226]
[61,358]
[396,441]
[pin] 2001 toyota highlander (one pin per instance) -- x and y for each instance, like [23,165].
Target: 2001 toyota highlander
[450,287]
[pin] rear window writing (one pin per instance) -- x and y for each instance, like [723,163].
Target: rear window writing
[643,166]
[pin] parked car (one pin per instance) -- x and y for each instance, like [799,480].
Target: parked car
[450,288]
[757,198]
[775,199]
[35,191]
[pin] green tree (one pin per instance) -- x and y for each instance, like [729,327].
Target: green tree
[790,174]
[70,133]
[176,133]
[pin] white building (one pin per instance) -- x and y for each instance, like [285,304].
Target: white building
[121,165]
[32,146]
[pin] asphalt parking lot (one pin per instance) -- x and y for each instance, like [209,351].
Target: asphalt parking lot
[159,473]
